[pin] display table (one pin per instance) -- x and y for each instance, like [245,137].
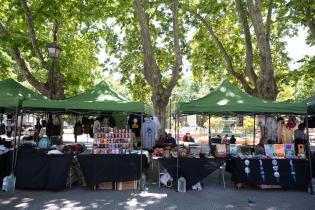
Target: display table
[42,172]
[296,177]
[5,165]
[99,168]
[193,170]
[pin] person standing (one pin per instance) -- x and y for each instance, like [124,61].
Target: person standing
[299,136]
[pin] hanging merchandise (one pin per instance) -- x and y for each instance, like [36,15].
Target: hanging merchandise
[291,122]
[148,131]
[271,125]
[9,128]
[86,125]
[96,125]
[280,127]
[78,129]
[288,135]
[157,126]
[2,125]
[134,123]
[121,120]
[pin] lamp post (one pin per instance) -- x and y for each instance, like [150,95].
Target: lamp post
[53,51]
[172,95]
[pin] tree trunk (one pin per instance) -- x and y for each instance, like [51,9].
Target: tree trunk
[160,103]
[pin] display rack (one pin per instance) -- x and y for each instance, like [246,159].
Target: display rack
[112,141]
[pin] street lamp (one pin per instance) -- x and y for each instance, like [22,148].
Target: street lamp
[172,95]
[53,51]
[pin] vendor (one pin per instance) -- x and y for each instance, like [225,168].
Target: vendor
[169,139]
[225,139]
[299,136]
[232,139]
[260,148]
[188,138]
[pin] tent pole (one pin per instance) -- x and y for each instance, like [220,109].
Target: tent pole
[209,129]
[254,132]
[141,146]
[177,159]
[309,153]
[19,138]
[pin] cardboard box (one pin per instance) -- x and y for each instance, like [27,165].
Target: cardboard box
[129,185]
[106,186]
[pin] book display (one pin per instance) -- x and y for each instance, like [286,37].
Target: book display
[112,141]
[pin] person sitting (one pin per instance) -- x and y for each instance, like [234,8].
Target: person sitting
[225,139]
[232,139]
[188,138]
[260,148]
[169,139]
[299,136]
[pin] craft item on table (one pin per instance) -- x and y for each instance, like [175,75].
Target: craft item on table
[195,149]
[205,148]
[269,150]
[159,152]
[262,172]
[279,150]
[245,150]
[233,150]
[293,171]
[247,169]
[301,149]
[289,150]
[275,168]
[291,122]
[220,150]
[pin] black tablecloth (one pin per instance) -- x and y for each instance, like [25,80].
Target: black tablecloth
[5,165]
[192,169]
[41,171]
[98,168]
[286,179]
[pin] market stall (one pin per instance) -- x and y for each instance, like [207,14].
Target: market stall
[227,100]
[102,101]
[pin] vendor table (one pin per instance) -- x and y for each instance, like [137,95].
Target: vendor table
[292,173]
[99,168]
[192,169]
[42,171]
[5,165]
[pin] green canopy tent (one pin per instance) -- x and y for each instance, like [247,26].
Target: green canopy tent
[310,104]
[101,98]
[11,92]
[228,99]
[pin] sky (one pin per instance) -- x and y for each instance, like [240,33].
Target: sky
[297,48]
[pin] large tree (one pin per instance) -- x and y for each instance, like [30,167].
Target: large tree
[151,70]
[26,27]
[246,35]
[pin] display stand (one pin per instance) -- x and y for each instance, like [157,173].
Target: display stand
[112,141]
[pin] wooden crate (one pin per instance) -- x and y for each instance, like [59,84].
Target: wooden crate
[106,186]
[129,185]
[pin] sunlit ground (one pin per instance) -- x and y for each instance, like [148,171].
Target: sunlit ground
[213,196]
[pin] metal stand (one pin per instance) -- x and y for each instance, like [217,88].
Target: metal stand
[309,154]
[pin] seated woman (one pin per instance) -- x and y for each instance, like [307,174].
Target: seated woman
[188,138]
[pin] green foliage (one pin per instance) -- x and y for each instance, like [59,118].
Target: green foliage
[78,36]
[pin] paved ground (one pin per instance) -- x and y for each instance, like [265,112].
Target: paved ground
[211,197]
